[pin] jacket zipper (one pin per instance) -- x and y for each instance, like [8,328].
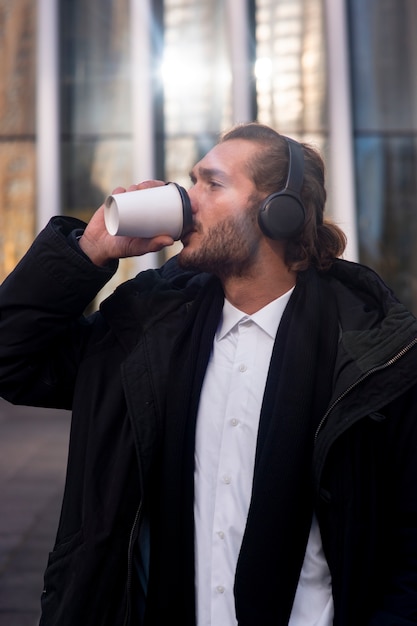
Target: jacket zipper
[377,368]
[129,564]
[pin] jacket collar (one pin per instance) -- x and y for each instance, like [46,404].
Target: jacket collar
[152,295]
[374,325]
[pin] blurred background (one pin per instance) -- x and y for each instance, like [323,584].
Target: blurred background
[100,93]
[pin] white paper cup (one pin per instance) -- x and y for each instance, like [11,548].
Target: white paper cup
[164,210]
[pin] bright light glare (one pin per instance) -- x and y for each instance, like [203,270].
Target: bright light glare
[181,72]
[263,68]
[175,72]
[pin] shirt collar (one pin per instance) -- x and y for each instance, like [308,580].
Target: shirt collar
[267,318]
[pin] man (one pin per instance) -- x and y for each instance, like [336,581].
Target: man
[244,432]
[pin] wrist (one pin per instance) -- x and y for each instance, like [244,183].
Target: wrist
[92,251]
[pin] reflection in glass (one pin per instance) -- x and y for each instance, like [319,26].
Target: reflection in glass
[17,131]
[384,81]
[196,80]
[290,66]
[95,102]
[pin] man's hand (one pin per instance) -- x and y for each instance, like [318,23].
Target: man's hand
[101,247]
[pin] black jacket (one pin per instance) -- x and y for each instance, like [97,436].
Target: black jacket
[111,369]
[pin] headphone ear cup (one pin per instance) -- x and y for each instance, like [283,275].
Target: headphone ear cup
[281,215]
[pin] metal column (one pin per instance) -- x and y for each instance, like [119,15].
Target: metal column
[342,179]
[48,175]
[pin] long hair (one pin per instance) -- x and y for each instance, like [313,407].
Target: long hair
[320,241]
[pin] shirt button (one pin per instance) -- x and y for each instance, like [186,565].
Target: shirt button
[221,534]
[227,479]
[234,422]
[242,367]
[220,589]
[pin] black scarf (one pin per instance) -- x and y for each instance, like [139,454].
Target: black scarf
[297,392]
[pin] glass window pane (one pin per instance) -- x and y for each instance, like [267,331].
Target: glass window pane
[290,66]
[17,131]
[384,80]
[384,64]
[95,101]
[196,80]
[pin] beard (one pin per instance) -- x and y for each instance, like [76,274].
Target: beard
[228,248]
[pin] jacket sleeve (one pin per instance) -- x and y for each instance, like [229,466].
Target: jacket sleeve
[42,322]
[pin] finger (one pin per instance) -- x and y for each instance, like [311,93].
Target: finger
[147,184]
[119,190]
[143,246]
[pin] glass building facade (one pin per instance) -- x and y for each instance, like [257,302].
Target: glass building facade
[383,46]
[17,131]
[134,104]
[95,112]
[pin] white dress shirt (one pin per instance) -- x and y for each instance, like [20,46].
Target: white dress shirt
[227,428]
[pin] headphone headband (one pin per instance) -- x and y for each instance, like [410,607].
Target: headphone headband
[295,174]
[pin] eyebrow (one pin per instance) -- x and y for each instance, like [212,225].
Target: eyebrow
[209,172]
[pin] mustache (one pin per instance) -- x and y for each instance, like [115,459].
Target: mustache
[194,227]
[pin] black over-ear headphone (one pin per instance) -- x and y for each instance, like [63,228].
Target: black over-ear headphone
[282,214]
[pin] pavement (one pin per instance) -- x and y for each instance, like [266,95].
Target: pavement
[33,454]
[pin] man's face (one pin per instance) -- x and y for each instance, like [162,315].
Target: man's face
[226,236]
